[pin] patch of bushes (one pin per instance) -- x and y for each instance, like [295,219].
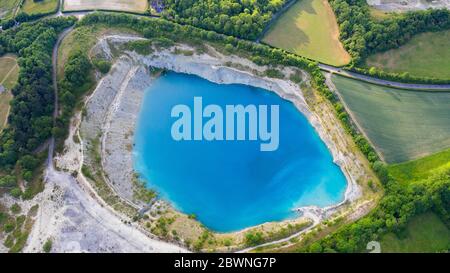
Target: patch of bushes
[47,246]
[274,73]
[15,208]
[142,47]
[253,238]
[102,65]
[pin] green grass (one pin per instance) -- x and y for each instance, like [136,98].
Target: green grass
[7,8]
[9,73]
[379,14]
[402,125]
[42,7]
[424,233]
[81,39]
[425,55]
[421,168]
[309,29]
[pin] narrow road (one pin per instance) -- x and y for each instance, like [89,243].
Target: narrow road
[369,79]
[51,147]
[287,239]
[324,67]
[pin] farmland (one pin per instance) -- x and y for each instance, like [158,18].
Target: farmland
[42,7]
[402,125]
[424,233]
[9,71]
[309,29]
[7,8]
[421,168]
[425,55]
[137,6]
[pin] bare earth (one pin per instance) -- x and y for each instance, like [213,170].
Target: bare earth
[407,5]
[139,6]
[76,222]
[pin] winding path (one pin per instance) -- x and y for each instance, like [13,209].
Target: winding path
[61,37]
[97,218]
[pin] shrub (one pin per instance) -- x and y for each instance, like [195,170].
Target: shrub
[48,246]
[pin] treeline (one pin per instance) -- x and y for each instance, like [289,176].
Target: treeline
[361,35]
[398,77]
[260,54]
[240,18]
[30,119]
[72,87]
[395,209]
[159,28]
[23,17]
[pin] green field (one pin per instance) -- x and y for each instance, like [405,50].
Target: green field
[402,125]
[45,6]
[424,233]
[7,8]
[425,55]
[9,72]
[309,29]
[421,168]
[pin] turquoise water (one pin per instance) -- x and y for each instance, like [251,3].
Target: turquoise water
[231,185]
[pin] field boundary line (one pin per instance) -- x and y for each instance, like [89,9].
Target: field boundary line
[9,73]
[274,18]
[359,128]
[410,87]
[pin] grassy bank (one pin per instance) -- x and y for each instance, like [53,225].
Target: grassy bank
[42,7]
[309,29]
[422,168]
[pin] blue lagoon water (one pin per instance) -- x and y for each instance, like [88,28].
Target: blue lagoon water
[231,185]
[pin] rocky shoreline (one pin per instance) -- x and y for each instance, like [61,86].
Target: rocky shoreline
[115,105]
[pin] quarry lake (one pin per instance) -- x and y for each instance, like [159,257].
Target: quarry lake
[232,185]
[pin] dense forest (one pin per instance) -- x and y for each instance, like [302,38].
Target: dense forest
[22,17]
[362,35]
[240,18]
[30,119]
